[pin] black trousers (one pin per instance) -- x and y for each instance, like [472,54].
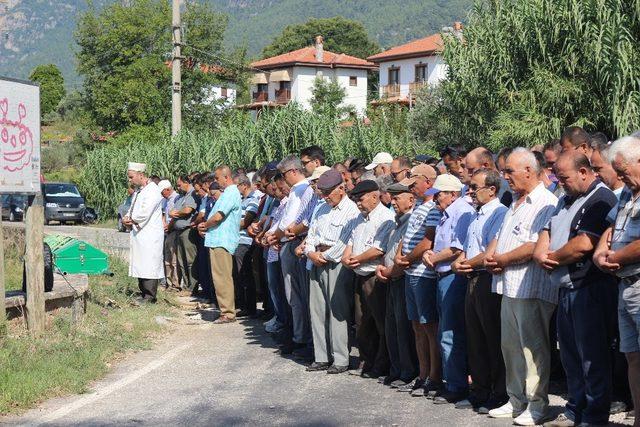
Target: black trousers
[370,308]
[203,264]
[583,336]
[187,251]
[148,288]
[482,321]
[399,333]
[245,286]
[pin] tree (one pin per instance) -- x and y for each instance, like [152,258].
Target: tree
[327,98]
[340,36]
[123,56]
[528,68]
[51,86]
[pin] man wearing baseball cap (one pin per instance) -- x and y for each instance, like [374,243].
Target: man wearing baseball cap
[381,164]
[451,233]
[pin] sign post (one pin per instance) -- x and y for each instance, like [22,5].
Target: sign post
[20,173]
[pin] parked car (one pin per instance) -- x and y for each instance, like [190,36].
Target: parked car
[122,211]
[14,207]
[62,202]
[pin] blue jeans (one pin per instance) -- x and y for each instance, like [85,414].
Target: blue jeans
[276,292]
[451,332]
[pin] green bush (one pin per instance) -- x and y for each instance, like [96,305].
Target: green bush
[238,142]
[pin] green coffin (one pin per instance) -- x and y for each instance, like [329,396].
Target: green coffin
[73,256]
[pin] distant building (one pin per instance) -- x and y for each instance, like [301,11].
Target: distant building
[223,93]
[290,77]
[407,68]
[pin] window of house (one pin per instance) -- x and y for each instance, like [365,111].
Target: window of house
[353,81]
[421,73]
[285,85]
[223,92]
[394,75]
[263,87]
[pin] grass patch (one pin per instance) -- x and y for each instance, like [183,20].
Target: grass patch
[111,223]
[66,358]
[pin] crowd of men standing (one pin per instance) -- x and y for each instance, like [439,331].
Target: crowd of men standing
[460,279]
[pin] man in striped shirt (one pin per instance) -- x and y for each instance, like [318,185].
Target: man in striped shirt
[420,282]
[528,297]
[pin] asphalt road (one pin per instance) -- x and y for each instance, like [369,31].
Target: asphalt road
[203,374]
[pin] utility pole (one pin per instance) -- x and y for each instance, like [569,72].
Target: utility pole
[176,78]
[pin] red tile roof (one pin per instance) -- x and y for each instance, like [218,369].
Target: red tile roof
[307,56]
[426,46]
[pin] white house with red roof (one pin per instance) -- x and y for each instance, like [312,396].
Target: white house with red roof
[407,68]
[290,77]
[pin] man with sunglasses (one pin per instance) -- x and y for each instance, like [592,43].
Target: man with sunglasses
[331,286]
[400,168]
[482,307]
[363,254]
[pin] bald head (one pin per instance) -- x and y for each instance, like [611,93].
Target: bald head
[479,158]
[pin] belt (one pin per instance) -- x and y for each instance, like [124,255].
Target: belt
[630,280]
[322,248]
[443,274]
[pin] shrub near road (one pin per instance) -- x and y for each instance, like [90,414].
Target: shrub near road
[66,358]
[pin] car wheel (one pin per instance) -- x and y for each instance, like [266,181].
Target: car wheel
[12,217]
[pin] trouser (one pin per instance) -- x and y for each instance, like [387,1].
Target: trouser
[399,333]
[583,337]
[245,286]
[370,296]
[525,348]
[482,321]
[330,296]
[222,273]
[148,288]
[296,286]
[204,270]
[276,292]
[171,259]
[187,250]
[451,334]
[259,267]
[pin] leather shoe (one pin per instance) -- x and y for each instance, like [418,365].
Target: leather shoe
[318,366]
[334,369]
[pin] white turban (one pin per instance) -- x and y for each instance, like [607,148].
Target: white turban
[136,167]
[164,184]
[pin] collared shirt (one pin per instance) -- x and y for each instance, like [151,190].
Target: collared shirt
[370,232]
[184,201]
[300,195]
[626,229]
[423,217]
[279,207]
[585,214]
[226,234]
[484,227]
[168,204]
[522,224]
[332,227]
[249,204]
[307,207]
[396,236]
[451,231]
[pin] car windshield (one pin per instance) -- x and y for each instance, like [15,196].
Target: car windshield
[61,190]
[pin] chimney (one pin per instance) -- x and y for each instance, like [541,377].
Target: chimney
[319,49]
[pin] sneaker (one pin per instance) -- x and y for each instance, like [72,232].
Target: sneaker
[274,327]
[409,387]
[492,403]
[388,380]
[397,384]
[270,321]
[381,379]
[318,366]
[631,415]
[530,418]
[617,408]
[432,388]
[561,421]
[451,397]
[463,404]
[505,411]
[356,372]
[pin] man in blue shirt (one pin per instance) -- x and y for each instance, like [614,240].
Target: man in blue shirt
[221,231]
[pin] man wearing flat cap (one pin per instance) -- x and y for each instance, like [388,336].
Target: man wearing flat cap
[363,254]
[400,343]
[147,232]
[331,286]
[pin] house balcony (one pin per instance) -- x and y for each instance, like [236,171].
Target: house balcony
[283,96]
[415,87]
[260,96]
[391,91]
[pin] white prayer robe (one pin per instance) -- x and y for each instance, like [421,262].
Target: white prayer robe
[147,236]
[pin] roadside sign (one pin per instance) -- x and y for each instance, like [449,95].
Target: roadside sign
[19,136]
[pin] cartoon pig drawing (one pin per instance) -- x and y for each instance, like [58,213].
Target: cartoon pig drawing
[16,138]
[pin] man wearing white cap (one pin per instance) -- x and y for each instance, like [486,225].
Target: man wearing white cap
[381,164]
[147,232]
